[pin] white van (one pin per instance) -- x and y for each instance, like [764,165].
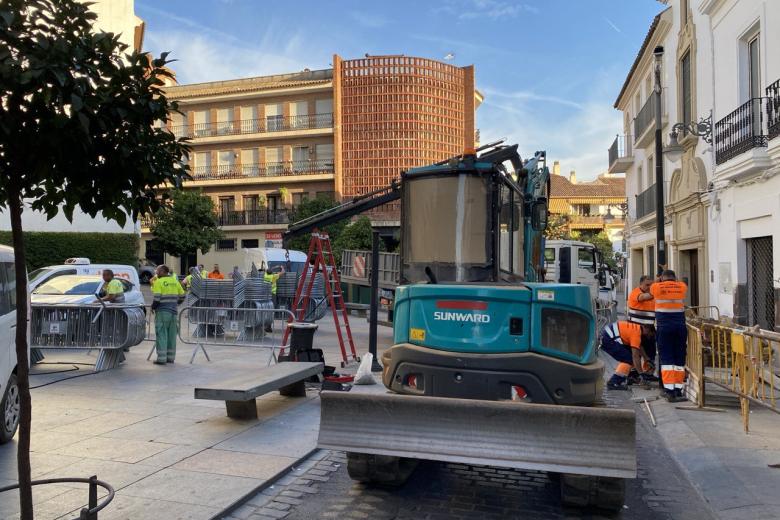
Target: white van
[272,257]
[9,389]
[82,266]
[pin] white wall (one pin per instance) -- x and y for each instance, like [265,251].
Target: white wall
[746,195]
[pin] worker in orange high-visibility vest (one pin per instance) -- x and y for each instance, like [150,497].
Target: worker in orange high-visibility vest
[671,334]
[641,309]
[623,341]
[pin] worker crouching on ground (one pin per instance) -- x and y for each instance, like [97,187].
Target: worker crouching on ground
[167,292]
[672,335]
[623,341]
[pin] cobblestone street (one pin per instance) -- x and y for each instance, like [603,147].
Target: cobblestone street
[454,491]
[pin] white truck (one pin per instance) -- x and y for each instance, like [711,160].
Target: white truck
[572,261]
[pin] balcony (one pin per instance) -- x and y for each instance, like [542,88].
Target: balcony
[593,221]
[254,217]
[248,171]
[645,202]
[620,154]
[644,123]
[741,131]
[254,126]
[773,109]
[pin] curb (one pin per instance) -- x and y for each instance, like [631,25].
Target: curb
[265,485]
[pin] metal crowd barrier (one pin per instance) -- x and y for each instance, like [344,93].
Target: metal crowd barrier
[247,327]
[109,328]
[605,314]
[738,359]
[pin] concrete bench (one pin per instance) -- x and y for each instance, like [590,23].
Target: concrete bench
[240,393]
[360,308]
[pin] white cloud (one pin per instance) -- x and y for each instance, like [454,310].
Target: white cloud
[523,95]
[578,137]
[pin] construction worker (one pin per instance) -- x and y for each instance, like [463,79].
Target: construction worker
[272,278]
[623,341]
[167,292]
[187,282]
[672,335]
[215,274]
[112,290]
[641,309]
[203,273]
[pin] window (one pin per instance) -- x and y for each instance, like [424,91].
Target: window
[249,122]
[227,204]
[274,202]
[8,294]
[324,111]
[201,121]
[299,114]
[685,80]
[582,210]
[250,158]
[586,259]
[225,121]
[250,243]
[298,198]
[273,160]
[754,71]
[251,202]
[274,117]
[202,163]
[300,157]
[549,254]
[226,244]
[324,154]
[226,161]
[504,230]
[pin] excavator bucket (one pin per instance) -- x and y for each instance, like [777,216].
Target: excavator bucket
[556,438]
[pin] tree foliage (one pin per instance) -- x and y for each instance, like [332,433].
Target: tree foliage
[188,223]
[309,208]
[603,245]
[76,131]
[357,235]
[50,248]
[557,227]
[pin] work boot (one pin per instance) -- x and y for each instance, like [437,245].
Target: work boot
[633,377]
[617,382]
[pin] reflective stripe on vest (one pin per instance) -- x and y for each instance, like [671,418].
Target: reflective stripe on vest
[613,332]
[669,305]
[644,317]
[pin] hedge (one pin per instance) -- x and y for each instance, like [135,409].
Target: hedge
[49,248]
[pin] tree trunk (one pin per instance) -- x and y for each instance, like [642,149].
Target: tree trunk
[22,359]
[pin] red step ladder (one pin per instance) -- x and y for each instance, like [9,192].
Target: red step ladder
[320,259]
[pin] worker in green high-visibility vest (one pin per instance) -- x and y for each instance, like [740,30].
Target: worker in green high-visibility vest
[167,293]
[272,277]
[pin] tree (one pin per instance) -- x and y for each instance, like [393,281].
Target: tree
[76,131]
[186,224]
[357,235]
[309,208]
[603,245]
[557,227]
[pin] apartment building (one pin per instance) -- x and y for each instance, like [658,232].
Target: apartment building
[720,68]
[744,194]
[673,33]
[260,146]
[590,207]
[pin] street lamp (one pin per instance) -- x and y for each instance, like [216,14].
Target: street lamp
[702,128]
[659,163]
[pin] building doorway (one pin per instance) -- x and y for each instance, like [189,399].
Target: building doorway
[689,273]
[187,261]
[760,287]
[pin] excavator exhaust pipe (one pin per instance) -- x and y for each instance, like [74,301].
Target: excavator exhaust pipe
[555,438]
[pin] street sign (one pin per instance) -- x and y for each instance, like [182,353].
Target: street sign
[359,267]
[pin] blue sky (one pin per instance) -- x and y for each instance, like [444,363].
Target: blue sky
[550,69]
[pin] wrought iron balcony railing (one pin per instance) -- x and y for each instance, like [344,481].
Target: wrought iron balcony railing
[254,126]
[740,131]
[620,151]
[773,109]
[254,217]
[645,118]
[275,169]
[645,202]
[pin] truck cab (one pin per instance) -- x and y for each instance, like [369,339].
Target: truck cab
[579,263]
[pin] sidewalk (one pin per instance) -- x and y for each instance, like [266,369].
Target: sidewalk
[732,470]
[139,428]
